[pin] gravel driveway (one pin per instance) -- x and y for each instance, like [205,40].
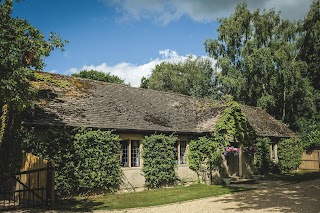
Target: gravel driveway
[301,197]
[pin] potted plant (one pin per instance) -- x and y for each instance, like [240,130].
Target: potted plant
[227,181]
[256,175]
[225,176]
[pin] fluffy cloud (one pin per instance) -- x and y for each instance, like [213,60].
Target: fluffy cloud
[132,73]
[166,11]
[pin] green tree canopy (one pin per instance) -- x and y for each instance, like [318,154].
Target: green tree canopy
[193,77]
[310,44]
[256,54]
[309,52]
[99,76]
[22,49]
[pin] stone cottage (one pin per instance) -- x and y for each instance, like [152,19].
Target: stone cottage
[134,112]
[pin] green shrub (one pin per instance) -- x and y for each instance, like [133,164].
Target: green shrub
[96,159]
[233,123]
[313,140]
[86,159]
[263,162]
[159,161]
[199,151]
[310,133]
[204,156]
[289,154]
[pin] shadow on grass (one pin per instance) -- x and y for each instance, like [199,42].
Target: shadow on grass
[78,205]
[295,177]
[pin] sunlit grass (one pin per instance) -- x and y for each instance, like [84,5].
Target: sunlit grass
[145,198]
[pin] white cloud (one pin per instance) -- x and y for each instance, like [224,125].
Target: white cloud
[132,73]
[167,11]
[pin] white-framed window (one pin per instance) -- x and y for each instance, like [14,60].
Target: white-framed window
[130,153]
[135,153]
[181,155]
[274,152]
[124,154]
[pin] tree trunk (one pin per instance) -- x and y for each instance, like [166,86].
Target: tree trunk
[3,121]
[10,146]
[284,105]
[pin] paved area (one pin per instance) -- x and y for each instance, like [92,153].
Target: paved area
[268,196]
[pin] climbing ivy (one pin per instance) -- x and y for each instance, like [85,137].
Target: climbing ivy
[96,160]
[159,161]
[233,124]
[289,154]
[88,160]
[263,163]
[206,152]
[204,156]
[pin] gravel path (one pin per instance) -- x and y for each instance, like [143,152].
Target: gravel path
[301,197]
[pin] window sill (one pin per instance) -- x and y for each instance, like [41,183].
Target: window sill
[131,168]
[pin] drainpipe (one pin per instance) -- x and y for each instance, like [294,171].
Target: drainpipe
[241,159]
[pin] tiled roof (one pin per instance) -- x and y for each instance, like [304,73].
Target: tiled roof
[76,102]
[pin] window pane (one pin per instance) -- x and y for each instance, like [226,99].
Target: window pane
[272,151]
[183,155]
[176,152]
[135,154]
[124,153]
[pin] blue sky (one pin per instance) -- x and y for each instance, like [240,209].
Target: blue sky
[129,37]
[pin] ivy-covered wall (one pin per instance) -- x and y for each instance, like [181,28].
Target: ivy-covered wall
[88,160]
[263,163]
[206,153]
[289,154]
[159,157]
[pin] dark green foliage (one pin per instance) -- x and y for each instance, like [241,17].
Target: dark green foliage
[233,124]
[289,154]
[22,48]
[87,160]
[310,44]
[207,152]
[96,158]
[310,133]
[159,160]
[263,164]
[193,77]
[99,76]
[256,53]
[204,156]
[309,51]
[144,83]
[199,151]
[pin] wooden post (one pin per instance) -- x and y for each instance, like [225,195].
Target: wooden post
[50,185]
[241,159]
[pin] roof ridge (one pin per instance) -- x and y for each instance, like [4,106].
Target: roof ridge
[129,86]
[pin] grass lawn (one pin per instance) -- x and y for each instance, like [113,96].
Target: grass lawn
[144,198]
[166,195]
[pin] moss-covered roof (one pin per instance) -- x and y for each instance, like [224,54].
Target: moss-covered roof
[76,102]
